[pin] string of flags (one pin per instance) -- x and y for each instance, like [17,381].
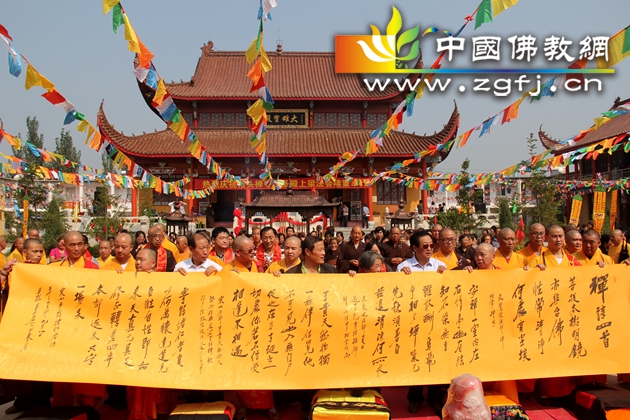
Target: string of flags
[257,55]
[162,102]
[406,106]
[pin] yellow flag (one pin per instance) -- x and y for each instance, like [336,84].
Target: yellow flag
[160,93]
[82,126]
[266,64]
[89,134]
[130,36]
[499,6]
[251,52]
[32,77]
[615,51]
[109,5]
[256,111]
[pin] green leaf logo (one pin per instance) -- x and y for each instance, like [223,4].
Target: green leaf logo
[380,52]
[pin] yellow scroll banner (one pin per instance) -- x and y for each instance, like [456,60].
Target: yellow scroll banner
[576,210]
[256,331]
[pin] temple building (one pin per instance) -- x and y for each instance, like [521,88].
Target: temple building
[318,115]
[605,166]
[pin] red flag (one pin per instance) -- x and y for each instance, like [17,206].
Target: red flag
[5,33]
[520,232]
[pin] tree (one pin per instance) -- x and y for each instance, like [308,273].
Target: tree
[33,137]
[145,205]
[540,192]
[466,216]
[107,217]
[506,215]
[31,188]
[55,222]
[108,165]
[64,146]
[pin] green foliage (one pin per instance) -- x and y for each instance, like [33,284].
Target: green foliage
[30,187]
[107,224]
[108,165]
[64,146]
[145,205]
[540,192]
[465,216]
[55,222]
[33,137]
[506,217]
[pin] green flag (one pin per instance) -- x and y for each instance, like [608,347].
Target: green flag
[626,42]
[484,13]
[117,17]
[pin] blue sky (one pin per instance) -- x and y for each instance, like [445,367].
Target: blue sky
[71,43]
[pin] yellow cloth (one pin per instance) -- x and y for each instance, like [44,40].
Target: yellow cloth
[614,251]
[114,265]
[101,262]
[597,257]
[216,260]
[240,267]
[549,260]
[281,265]
[450,263]
[79,264]
[183,256]
[171,247]
[43,260]
[3,259]
[529,254]
[16,255]
[516,260]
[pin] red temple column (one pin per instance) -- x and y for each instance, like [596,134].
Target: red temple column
[134,202]
[423,193]
[248,195]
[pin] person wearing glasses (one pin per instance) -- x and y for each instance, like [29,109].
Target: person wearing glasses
[165,258]
[244,255]
[535,246]
[454,259]
[435,233]
[198,261]
[422,247]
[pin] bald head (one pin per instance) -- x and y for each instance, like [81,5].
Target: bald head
[484,255]
[507,241]
[570,227]
[74,245]
[616,237]
[574,241]
[146,260]
[33,234]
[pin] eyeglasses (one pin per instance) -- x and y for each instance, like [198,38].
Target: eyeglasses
[537,233]
[248,251]
[448,240]
[426,246]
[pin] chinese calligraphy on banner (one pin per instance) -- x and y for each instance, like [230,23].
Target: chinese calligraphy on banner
[256,331]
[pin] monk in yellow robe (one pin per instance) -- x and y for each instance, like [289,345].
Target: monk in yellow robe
[505,257]
[590,254]
[535,246]
[292,251]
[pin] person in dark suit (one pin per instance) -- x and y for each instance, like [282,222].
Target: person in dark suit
[313,262]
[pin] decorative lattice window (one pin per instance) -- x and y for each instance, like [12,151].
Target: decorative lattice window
[241,120]
[204,120]
[342,120]
[217,120]
[228,120]
[320,119]
[355,120]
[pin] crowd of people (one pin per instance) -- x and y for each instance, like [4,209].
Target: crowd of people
[265,250]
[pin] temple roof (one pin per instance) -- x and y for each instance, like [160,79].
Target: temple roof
[293,199]
[547,142]
[234,142]
[295,75]
[613,128]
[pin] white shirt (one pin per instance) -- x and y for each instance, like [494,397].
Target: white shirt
[190,267]
[414,265]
